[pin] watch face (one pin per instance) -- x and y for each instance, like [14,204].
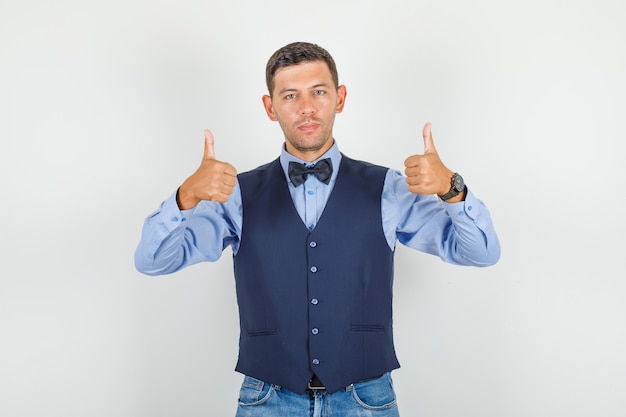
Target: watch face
[458,183]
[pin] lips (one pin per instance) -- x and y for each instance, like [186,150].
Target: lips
[306,127]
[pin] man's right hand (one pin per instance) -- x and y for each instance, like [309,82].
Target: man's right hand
[213,181]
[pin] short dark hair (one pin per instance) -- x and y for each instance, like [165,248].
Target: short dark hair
[297,53]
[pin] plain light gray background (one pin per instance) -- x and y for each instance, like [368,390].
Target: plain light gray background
[102,106]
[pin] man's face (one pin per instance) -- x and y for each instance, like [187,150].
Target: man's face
[304,102]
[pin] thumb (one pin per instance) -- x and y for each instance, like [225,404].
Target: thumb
[429,144]
[209,141]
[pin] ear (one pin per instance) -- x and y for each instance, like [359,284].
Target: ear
[341,98]
[269,108]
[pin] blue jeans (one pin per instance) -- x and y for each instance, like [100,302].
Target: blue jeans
[372,398]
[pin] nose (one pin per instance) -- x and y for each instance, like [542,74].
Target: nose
[307,107]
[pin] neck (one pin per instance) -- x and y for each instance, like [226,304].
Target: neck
[309,155]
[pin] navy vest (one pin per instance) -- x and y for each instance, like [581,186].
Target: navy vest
[315,301]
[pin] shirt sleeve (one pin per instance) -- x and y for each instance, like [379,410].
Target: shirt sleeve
[459,233]
[172,239]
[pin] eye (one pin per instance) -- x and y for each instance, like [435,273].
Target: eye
[290,96]
[319,92]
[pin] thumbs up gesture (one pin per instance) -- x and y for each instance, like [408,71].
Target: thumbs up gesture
[213,180]
[425,173]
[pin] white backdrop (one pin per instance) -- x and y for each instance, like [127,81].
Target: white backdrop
[102,106]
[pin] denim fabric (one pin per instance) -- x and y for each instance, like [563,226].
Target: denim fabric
[372,398]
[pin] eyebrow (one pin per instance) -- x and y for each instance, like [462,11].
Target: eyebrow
[291,90]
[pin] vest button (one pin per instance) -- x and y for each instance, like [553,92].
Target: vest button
[315,330]
[315,361]
[315,301]
[314,269]
[313,244]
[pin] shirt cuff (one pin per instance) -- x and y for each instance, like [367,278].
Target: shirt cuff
[171,216]
[470,207]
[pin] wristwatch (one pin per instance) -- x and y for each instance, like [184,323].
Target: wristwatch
[458,186]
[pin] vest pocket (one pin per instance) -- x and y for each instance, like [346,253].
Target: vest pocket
[262,332]
[367,328]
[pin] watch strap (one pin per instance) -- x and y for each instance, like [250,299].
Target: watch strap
[453,190]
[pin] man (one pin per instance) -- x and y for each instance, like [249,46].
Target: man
[313,235]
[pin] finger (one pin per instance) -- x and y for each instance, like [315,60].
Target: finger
[230,170]
[209,141]
[230,181]
[412,161]
[429,144]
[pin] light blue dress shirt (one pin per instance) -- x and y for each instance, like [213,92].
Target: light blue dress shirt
[459,233]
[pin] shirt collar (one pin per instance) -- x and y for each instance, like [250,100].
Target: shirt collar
[333,153]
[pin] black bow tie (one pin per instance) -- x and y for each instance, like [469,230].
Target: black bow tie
[298,172]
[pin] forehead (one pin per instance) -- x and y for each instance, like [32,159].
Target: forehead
[303,75]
